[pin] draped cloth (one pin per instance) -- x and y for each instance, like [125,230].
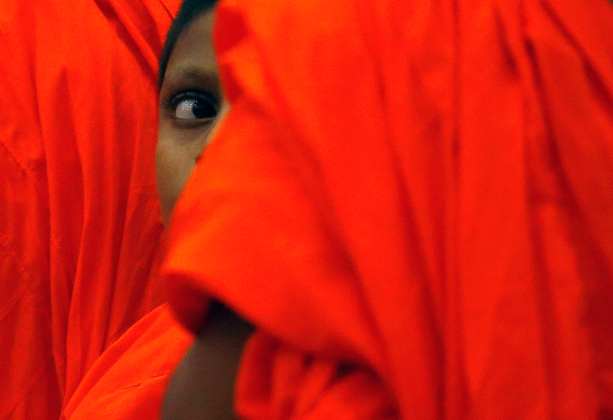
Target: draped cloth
[411,201]
[130,378]
[79,217]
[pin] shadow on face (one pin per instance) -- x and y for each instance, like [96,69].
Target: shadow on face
[190,105]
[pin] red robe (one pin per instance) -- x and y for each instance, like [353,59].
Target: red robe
[411,201]
[79,217]
[129,380]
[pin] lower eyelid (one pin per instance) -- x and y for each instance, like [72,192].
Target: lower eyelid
[193,124]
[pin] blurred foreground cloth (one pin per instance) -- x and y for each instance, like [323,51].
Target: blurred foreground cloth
[411,201]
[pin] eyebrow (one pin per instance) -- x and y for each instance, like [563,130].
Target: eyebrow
[187,75]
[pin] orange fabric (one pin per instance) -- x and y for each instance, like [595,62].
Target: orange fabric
[411,201]
[79,217]
[129,380]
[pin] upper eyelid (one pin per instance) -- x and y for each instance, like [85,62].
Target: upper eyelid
[189,78]
[192,76]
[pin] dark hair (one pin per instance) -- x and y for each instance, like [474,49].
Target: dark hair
[190,9]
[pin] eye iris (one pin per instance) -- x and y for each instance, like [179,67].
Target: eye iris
[202,110]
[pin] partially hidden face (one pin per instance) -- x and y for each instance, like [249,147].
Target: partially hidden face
[191,103]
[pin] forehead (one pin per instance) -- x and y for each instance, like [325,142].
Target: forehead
[193,51]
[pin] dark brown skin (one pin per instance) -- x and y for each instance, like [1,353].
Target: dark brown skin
[191,104]
[202,387]
[191,74]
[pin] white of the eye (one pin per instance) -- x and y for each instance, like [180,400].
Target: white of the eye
[185,110]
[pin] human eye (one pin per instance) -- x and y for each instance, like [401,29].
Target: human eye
[193,106]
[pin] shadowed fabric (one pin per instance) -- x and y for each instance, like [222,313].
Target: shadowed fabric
[411,202]
[79,217]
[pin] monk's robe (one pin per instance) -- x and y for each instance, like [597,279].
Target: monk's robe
[411,201]
[79,217]
[130,378]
